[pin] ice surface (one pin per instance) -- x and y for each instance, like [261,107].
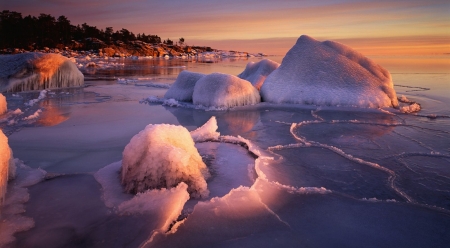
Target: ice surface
[37,71]
[3,104]
[162,156]
[11,219]
[206,132]
[224,91]
[329,73]
[257,72]
[183,88]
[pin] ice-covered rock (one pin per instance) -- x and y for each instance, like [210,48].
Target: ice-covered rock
[329,73]
[162,156]
[257,72]
[3,105]
[183,88]
[5,164]
[220,90]
[37,71]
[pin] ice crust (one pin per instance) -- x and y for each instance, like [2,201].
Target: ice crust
[257,72]
[37,71]
[329,73]
[224,91]
[162,156]
[3,105]
[183,88]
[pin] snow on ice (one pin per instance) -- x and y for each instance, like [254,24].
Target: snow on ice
[162,156]
[36,71]
[257,72]
[329,73]
[183,88]
[224,91]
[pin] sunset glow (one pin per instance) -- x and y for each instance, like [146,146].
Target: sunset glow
[372,27]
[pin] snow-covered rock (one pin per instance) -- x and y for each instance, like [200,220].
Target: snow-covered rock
[183,88]
[256,72]
[37,71]
[3,105]
[220,90]
[162,156]
[329,73]
[5,164]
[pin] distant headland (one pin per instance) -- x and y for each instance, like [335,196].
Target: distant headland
[46,33]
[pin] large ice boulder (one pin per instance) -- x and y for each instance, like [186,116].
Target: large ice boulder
[220,90]
[5,165]
[183,88]
[3,105]
[256,72]
[329,73]
[37,71]
[162,156]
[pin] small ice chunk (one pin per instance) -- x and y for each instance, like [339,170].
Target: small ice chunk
[206,132]
[33,116]
[414,107]
[257,72]
[162,156]
[224,91]
[183,88]
[42,95]
[329,73]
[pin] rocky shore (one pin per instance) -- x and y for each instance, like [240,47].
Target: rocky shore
[133,49]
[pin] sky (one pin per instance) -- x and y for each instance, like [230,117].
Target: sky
[371,27]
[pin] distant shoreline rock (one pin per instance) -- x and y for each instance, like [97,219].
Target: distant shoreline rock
[133,48]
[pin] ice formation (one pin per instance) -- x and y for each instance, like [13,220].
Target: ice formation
[3,105]
[220,90]
[5,160]
[206,132]
[257,72]
[183,88]
[37,71]
[162,156]
[329,73]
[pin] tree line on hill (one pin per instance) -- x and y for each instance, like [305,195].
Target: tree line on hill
[31,33]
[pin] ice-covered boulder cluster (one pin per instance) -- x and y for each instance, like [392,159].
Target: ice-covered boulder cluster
[37,71]
[312,72]
[162,156]
[216,90]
